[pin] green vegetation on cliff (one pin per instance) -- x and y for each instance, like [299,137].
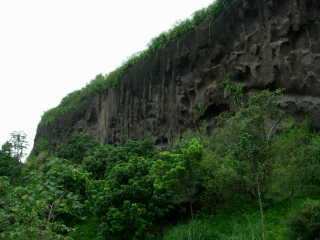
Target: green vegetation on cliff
[78,99]
[250,179]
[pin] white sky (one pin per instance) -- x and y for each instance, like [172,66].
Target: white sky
[49,48]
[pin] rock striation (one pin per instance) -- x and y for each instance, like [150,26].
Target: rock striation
[261,43]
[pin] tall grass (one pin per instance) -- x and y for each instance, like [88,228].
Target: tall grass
[247,228]
[239,225]
[78,99]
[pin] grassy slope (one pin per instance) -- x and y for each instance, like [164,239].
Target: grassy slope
[242,224]
[237,223]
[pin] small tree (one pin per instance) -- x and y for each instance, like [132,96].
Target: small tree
[245,137]
[19,144]
[179,174]
[9,166]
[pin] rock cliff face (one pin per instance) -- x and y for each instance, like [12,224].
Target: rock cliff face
[262,43]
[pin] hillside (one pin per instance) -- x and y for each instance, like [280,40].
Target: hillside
[212,133]
[263,44]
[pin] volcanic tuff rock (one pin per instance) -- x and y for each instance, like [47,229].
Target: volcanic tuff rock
[262,43]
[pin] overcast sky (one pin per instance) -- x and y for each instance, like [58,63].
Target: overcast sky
[49,48]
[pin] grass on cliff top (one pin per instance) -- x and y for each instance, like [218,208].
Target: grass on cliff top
[77,100]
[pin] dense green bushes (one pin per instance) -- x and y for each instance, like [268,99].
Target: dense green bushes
[10,157]
[45,204]
[76,148]
[131,189]
[9,166]
[305,224]
[143,189]
[78,99]
[257,156]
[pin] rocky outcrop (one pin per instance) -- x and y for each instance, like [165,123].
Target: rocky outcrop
[262,43]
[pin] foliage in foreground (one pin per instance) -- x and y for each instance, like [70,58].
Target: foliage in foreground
[243,223]
[44,204]
[305,224]
[257,155]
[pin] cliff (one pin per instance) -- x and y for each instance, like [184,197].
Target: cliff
[261,43]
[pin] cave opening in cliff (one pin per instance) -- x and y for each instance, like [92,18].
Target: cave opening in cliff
[214,110]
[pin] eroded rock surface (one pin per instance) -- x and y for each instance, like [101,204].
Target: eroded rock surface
[262,43]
